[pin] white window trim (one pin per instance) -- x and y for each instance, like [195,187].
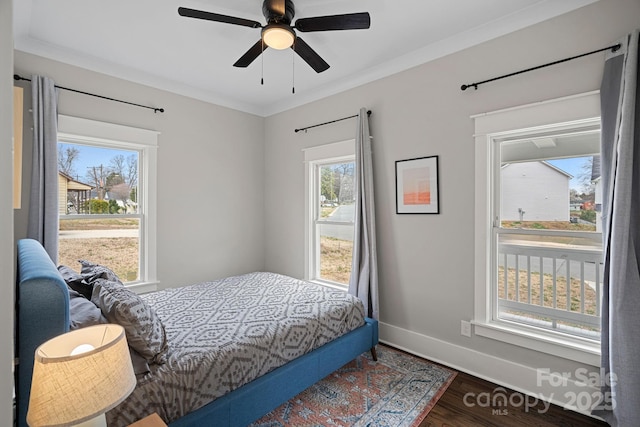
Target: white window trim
[85,131]
[313,156]
[576,109]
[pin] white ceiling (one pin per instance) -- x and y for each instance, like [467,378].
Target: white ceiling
[147,42]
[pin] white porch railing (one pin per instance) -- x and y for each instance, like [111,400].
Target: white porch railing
[556,286]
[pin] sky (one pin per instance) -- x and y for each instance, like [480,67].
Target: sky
[92,156]
[573,166]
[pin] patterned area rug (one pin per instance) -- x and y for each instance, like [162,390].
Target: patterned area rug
[398,390]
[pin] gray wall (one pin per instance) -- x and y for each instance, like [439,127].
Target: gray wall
[210,163]
[426,262]
[7,263]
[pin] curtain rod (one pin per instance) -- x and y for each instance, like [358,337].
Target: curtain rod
[327,123]
[155,110]
[613,48]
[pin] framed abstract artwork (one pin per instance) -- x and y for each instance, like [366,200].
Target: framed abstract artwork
[417,190]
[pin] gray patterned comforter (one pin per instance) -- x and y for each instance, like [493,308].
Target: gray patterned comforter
[226,333]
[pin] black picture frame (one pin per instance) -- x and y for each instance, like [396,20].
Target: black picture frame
[418,186]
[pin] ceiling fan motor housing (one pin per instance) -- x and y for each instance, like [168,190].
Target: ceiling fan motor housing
[273,15]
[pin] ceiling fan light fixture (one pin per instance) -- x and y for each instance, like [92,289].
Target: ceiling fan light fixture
[278,36]
[279,32]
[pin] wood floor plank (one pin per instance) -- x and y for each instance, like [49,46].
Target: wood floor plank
[451,410]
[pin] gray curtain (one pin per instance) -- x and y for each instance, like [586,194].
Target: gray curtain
[364,269]
[43,202]
[620,147]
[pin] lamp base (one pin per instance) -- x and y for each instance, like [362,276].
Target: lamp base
[99,421]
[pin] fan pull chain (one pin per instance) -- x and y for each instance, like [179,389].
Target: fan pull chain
[262,62]
[293,68]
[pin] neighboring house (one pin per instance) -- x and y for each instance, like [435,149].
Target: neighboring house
[534,191]
[128,205]
[576,204]
[71,194]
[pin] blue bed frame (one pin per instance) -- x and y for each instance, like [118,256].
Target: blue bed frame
[42,306]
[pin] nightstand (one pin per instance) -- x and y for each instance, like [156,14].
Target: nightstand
[152,420]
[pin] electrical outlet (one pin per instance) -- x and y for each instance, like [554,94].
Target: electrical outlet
[465,328]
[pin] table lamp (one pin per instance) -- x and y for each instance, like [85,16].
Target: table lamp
[80,375]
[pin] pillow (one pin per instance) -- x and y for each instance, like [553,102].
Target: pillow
[145,332]
[140,365]
[75,281]
[91,271]
[83,312]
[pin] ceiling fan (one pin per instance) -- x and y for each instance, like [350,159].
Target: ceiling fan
[279,33]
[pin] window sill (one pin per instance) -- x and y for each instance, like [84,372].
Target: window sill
[572,348]
[328,284]
[143,287]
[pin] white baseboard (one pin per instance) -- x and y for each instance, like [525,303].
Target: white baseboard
[574,391]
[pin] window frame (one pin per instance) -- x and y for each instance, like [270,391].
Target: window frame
[572,111]
[314,158]
[82,131]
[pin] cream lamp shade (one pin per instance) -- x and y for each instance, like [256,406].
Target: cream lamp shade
[278,36]
[79,376]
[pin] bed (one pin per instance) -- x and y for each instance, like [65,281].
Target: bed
[42,306]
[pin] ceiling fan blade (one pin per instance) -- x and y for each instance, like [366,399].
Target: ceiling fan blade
[209,16]
[349,21]
[309,55]
[253,52]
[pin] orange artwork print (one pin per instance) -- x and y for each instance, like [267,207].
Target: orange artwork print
[417,186]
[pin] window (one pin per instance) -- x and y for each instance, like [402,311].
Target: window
[330,188]
[538,240]
[106,176]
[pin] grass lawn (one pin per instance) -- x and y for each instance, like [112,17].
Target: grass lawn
[119,254]
[335,258]
[549,225]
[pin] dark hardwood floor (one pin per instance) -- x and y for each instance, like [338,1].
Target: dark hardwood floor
[451,409]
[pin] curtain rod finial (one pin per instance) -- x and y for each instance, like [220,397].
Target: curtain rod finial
[473,85]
